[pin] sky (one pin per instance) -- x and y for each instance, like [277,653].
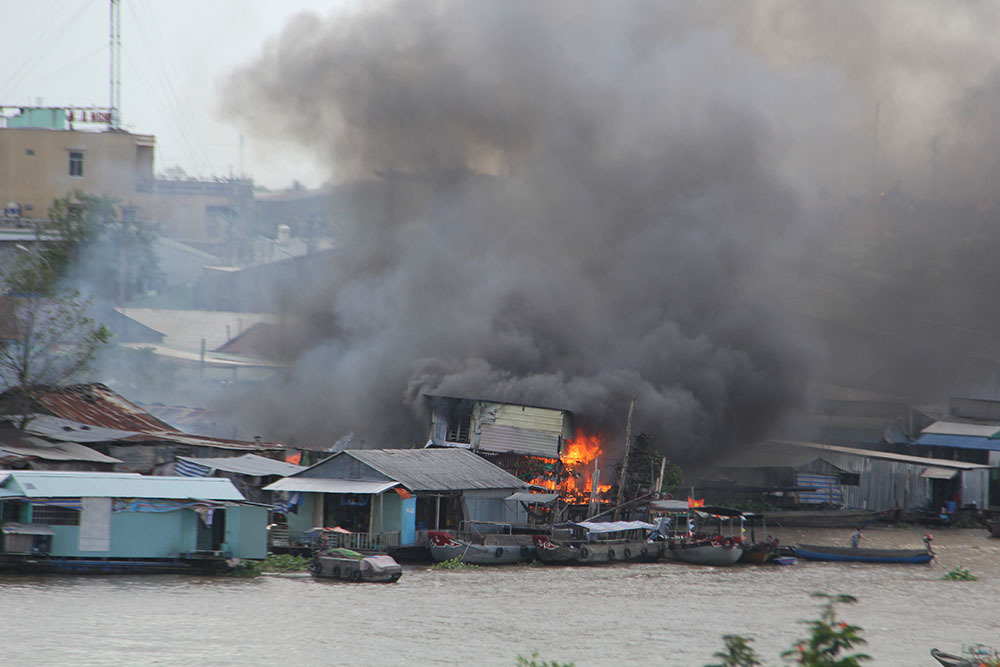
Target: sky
[56,53]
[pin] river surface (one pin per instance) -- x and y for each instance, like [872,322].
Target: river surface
[651,614]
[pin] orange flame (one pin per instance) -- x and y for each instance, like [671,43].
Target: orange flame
[577,458]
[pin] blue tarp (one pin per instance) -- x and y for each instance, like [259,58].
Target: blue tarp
[961,441]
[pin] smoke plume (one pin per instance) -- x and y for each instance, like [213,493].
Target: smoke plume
[581,202]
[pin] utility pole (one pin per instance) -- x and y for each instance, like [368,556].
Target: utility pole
[875,190]
[628,442]
[115,74]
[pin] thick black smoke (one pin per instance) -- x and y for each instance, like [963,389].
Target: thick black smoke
[581,202]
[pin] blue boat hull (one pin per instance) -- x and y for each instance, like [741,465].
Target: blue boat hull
[847,554]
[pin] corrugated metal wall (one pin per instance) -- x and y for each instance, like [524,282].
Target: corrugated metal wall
[885,484]
[537,419]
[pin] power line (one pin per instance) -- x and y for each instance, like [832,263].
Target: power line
[49,42]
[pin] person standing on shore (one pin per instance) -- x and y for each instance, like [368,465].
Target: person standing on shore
[856,537]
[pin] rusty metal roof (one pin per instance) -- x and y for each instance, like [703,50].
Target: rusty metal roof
[97,405]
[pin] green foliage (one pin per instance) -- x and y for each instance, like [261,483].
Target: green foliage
[644,467]
[967,522]
[112,253]
[47,336]
[828,638]
[455,563]
[534,662]
[737,653]
[247,569]
[286,563]
[960,574]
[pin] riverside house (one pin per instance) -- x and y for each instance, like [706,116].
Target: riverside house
[125,522]
[379,499]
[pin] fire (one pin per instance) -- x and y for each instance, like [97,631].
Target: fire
[574,480]
[582,449]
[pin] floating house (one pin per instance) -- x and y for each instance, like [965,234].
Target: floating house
[125,522]
[382,498]
[812,475]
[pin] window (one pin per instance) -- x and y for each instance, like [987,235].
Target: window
[459,429]
[849,478]
[55,516]
[76,164]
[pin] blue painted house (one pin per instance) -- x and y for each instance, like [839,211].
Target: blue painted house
[383,498]
[111,522]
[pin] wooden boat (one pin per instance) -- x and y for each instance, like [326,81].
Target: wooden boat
[975,655]
[445,546]
[726,551]
[589,543]
[350,565]
[860,555]
[702,535]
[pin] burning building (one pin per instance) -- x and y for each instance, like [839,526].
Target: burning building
[539,445]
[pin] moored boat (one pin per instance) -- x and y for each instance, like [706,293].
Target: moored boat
[589,543]
[701,535]
[860,555]
[350,565]
[445,546]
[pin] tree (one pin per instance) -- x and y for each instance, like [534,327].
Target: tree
[46,335]
[644,468]
[101,245]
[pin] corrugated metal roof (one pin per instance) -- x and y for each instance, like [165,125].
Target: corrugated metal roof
[498,438]
[963,428]
[248,464]
[944,463]
[437,469]
[531,497]
[959,441]
[933,472]
[326,485]
[49,484]
[96,405]
[57,428]
[52,451]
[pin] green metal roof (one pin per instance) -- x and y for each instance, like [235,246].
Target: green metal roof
[51,484]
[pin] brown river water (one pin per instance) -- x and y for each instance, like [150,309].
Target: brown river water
[660,613]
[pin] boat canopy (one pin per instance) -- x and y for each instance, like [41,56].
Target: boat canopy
[614,526]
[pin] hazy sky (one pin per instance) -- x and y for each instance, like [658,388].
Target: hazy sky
[174,53]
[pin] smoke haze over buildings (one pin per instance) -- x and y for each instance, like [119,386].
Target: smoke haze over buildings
[586,201]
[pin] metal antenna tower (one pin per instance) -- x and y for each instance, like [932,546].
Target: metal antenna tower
[116,63]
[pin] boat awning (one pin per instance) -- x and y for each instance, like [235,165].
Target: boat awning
[529,497]
[933,472]
[14,528]
[325,485]
[614,526]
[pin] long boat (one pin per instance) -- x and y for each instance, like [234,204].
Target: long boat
[445,546]
[707,552]
[596,542]
[860,555]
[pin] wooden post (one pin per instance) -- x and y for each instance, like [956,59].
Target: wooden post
[628,443]
[437,512]
[659,479]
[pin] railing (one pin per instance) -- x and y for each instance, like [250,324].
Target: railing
[282,537]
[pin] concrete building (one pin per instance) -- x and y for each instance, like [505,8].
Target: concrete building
[47,153]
